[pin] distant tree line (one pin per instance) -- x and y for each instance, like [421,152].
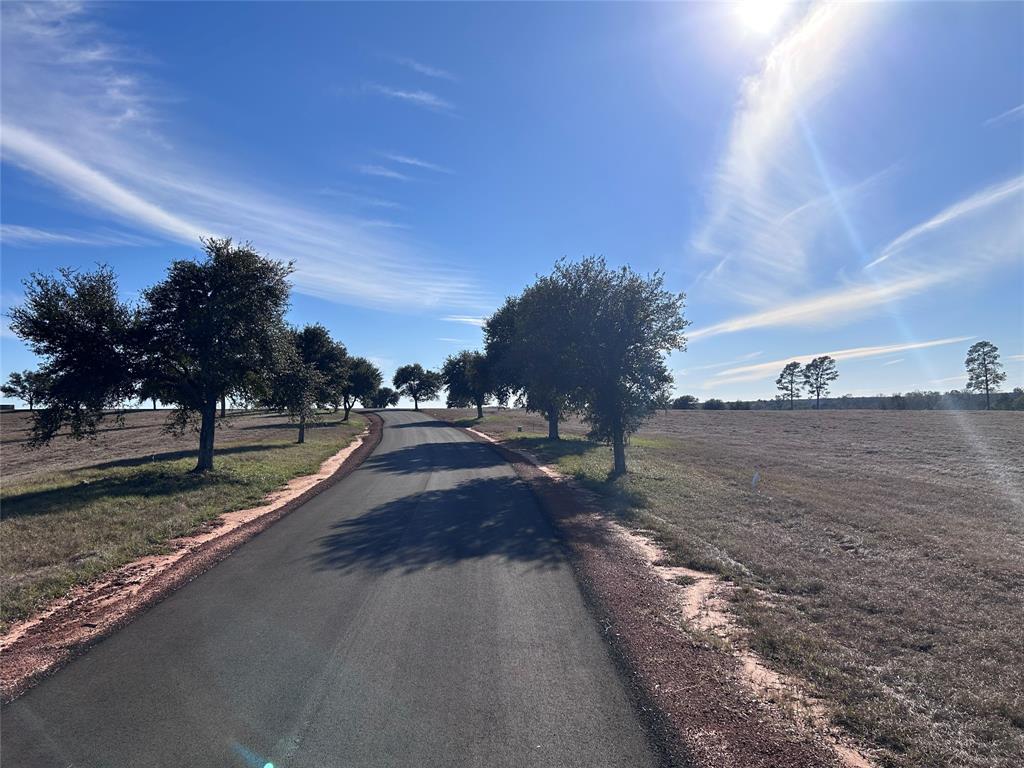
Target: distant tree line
[211,330]
[585,339]
[984,376]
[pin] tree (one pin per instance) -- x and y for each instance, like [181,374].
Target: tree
[27,386]
[818,374]
[362,381]
[416,382]
[302,379]
[384,397]
[208,328]
[984,371]
[623,324]
[790,382]
[467,378]
[82,331]
[685,403]
[714,404]
[532,351]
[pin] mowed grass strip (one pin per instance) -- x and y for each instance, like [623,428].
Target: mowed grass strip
[59,528]
[880,556]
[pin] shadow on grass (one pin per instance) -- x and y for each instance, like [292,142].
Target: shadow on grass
[623,501]
[294,425]
[157,481]
[476,519]
[139,461]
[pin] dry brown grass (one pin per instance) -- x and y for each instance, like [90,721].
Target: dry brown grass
[74,510]
[880,557]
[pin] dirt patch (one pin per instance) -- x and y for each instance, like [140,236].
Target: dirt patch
[705,707]
[70,625]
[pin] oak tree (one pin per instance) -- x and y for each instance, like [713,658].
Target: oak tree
[416,382]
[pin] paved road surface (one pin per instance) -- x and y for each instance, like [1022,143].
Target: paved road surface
[419,613]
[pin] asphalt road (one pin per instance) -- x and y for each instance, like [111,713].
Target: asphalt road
[419,613]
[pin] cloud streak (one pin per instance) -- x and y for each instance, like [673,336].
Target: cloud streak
[418,97]
[977,203]
[425,69]
[381,172]
[465,320]
[769,198]
[830,307]
[96,139]
[415,162]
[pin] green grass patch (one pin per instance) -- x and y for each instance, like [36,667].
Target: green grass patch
[67,527]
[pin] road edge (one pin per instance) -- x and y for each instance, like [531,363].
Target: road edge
[42,651]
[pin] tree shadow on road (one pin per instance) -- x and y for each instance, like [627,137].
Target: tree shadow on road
[480,518]
[425,457]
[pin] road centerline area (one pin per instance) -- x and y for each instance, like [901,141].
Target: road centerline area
[420,612]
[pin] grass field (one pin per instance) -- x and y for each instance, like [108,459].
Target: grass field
[74,510]
[880,556]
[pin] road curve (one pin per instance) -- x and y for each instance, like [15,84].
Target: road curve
[418,613]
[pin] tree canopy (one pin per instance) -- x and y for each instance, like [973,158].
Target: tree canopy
[197,336]
[27,386]
[818,375]
[531,346]
[790,382]
[467,376]
[309,369]
[362,381]
[416,382]
[984,370]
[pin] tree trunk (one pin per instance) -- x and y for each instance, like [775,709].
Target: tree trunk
[223,406]
[348,407]
[302,428]
[988,400]
[553,425]
[415,403]
[792,404]
[206,429]
[154,403]
[619,453]
[31,403]
[479,409]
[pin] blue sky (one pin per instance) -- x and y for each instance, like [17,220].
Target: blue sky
[844,179]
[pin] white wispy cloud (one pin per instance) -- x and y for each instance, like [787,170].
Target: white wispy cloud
[991,197]
[415,162]
[382,172]
[894,362]
[425,69]
[771,369]
[97,138]
[713,366]
[830,307]
[770,198]
[418,97]
[16,234]
[466,320]
[1015,357]
[449,340]
[1016,113]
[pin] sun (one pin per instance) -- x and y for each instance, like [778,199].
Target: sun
[761,17]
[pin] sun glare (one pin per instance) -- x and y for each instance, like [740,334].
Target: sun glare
[760,17]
